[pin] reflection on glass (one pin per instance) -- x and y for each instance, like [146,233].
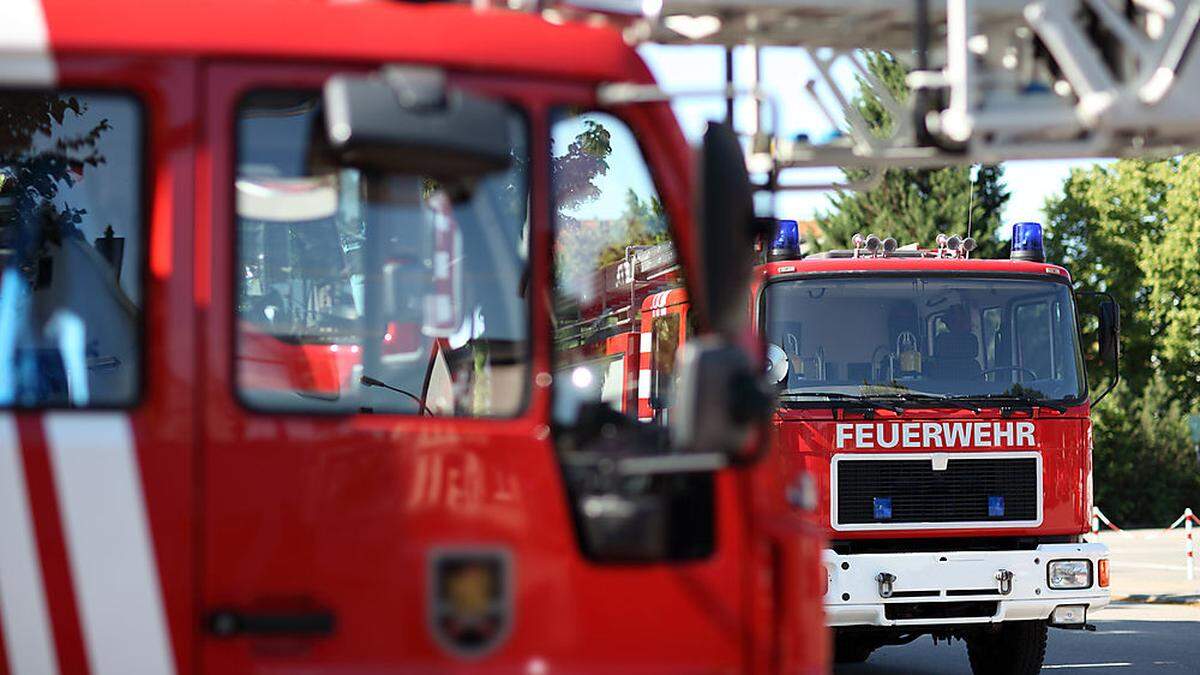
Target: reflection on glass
[374,293]
[612,254]
[70,249]
[947,336]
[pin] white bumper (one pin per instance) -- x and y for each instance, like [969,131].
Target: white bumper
[968,579]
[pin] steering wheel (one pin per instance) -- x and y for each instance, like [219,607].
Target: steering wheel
[1021,369]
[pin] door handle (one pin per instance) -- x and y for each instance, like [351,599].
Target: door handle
[231,623]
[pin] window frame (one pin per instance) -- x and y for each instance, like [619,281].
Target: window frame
[555,113]
[1084,392]
[145,183]
[526,115]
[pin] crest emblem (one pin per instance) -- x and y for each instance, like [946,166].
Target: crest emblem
[470,604]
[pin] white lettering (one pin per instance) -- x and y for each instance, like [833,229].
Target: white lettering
[862,435]
[884,441]
[1003,433]
[958,434]
[931,435]
[844,433]
[1024,434]
[983,434]
[936,434]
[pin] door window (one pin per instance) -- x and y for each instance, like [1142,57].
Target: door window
[367,293]
[71,249]
[665,345]
[612,251]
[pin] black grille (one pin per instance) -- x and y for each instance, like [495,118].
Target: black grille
[899,611]
[968,490]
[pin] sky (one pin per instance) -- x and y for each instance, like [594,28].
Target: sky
[784,73]
[627,171]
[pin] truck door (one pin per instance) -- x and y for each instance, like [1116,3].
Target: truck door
[95,366]
[367,431]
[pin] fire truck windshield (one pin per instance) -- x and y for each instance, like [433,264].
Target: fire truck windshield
[946,336]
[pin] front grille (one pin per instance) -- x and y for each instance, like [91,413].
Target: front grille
[969,490]
[900,611]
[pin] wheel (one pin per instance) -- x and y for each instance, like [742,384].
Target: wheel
[1016,648]
[848,649]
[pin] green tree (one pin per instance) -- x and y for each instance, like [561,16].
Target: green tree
[1130,228]
[1172,264]
[1144,466]
[914,205]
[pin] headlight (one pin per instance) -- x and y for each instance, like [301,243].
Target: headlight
[1065,574]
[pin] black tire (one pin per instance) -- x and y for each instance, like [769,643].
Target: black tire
[1015,648]
[848,649]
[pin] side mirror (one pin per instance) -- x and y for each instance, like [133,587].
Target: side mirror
[722,394]
[726,231]
[406,120]
[1108,336]
[1110,331]
[722,397]
[777,363]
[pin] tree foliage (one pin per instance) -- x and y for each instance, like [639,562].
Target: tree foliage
[913,205]
[584,245]
[1130,228]
[1144,465]
[36,162]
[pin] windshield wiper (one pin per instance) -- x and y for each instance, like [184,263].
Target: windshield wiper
[858,399]
[922,397]
[369,381]
[1023,399]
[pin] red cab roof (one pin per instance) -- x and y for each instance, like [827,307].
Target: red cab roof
[453,35]
[897,264]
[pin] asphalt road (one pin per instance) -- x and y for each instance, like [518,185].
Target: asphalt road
[1130,638]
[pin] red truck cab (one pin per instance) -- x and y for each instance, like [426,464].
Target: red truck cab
[941,403]
[280,289]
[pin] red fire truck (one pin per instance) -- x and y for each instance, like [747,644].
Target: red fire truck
[286,290]
[941,404]
[941,401]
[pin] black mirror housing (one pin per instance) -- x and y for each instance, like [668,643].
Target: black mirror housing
[406,120]
[1108,337]
[727,230]
[1110,331]
[723,398]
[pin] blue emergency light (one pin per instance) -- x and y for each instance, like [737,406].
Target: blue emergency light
[995,506]
[881,508]
[786,244]
[1027,242]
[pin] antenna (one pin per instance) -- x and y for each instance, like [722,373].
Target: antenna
[971,197]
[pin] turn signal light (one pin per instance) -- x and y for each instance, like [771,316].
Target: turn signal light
[1102,572]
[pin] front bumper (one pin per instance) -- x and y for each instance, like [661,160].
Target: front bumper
[954,587]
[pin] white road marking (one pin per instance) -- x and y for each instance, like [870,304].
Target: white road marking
[1115,664]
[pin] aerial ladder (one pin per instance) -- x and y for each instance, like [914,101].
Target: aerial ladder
[989,80]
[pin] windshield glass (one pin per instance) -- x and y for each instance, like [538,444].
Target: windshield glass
[374,293]
[939,335]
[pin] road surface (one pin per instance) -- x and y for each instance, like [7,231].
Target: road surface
[1130,638]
